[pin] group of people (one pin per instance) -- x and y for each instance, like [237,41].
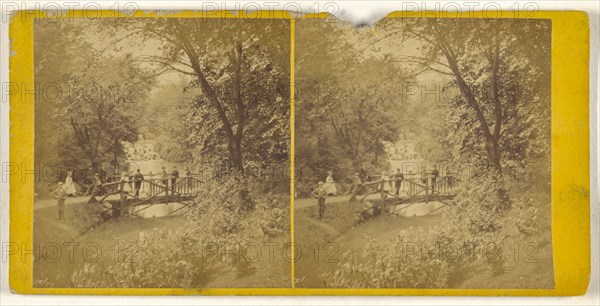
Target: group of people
[134,183]
[129,183]
[388,182]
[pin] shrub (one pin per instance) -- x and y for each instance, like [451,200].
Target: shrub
[393,265]
[83,216]
[304,187]
[158,260]
[225,214]
[485,214]
[222,206]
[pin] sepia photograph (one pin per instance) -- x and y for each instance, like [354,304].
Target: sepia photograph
[162,150]
[331,152]
[422,153]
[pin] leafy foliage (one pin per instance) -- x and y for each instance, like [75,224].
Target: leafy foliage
[237,101]
[349,101]
[159,260]
[474,229]
[500,99]
[224,207]
[86,102]
[390,265]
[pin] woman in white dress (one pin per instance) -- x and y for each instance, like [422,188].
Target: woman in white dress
[69,185]
[330,184]
[125,182]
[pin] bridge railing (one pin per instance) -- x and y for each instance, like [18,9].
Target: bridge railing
[445,185]
[149,188]
[183,185]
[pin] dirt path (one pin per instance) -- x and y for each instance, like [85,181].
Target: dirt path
[44,203]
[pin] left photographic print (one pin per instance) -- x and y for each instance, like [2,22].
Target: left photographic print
[162,145]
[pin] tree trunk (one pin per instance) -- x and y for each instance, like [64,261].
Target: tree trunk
[235,155]
[493,153]
[115,161]
[491,137]
[234,138]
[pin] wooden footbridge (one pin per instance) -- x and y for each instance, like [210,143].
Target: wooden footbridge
[122,196]
[417,190]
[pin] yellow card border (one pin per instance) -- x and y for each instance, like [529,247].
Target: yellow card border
[570,157]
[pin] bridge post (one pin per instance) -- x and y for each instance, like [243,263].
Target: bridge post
[119,210]
[121,202]
[167,192]
[426,191]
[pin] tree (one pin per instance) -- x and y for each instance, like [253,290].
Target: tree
[349,101]
[101,113]
[500,68]
[55,62]
[92,103]
[241,70]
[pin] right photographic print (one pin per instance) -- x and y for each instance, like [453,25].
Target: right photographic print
[423,153]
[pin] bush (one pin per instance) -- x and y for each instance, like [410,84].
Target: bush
[274,213]
[158,260]
[84,216]
[485,214]
[405,262]
[225,214]
[221,207]
[304,187]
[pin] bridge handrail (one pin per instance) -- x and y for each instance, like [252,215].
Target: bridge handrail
[366,184]
[183,179]
[148,180]
[426,188]
[152,182]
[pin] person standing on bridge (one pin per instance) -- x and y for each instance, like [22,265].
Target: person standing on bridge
[174,177]
[124,183]
[187,180]
[398,178]
[385,178]
[165,180]
[434,176]
[138,178]
[320,194]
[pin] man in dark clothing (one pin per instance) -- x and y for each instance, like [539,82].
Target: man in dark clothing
[321,194]
[174,177]
[434,176]
[138,178]
[398,178]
